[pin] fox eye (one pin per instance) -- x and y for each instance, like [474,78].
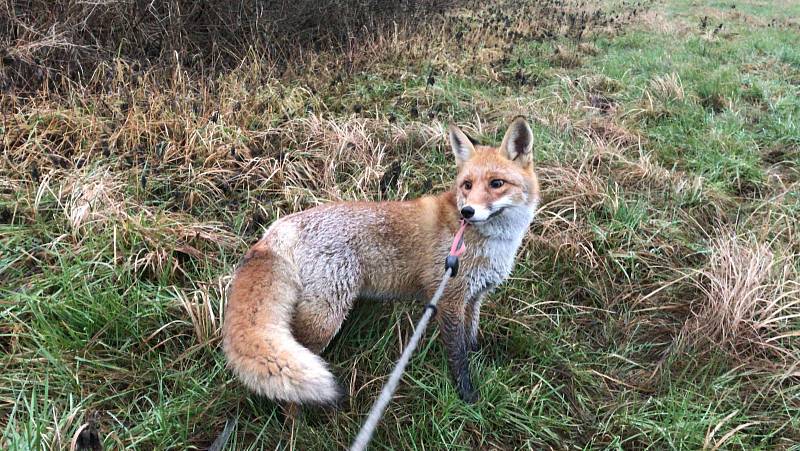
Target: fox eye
[496,183]
[467,185]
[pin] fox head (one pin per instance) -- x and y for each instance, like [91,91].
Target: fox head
[494,182]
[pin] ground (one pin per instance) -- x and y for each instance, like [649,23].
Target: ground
[655,302]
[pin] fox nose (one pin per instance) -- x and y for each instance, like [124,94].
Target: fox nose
[467,212]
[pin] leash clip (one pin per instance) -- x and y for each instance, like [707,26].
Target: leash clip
[451,262]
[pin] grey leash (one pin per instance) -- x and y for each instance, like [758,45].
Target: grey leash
[451,269]
[365,435]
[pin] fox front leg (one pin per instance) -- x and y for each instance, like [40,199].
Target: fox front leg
[471,319]
[454,335]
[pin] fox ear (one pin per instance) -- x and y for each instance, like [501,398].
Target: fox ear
[461,144]
[518,141]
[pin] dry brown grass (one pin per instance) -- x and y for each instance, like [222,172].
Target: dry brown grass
[57,43]
[569,193]
[94,203]
[565,57]
[356,154]
[47,39]
[751,302]
[660,99]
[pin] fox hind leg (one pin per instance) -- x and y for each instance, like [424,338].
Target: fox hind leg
[315,324]
[316,321]
[330,286]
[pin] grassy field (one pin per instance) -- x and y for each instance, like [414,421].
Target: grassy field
[656,299]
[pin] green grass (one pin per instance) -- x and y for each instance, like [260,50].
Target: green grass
[599,339]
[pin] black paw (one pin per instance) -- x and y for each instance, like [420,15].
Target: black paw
[470,397]
[342,402]
[472,345]
[467,392]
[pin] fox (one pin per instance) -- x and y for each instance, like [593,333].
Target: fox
[295,286]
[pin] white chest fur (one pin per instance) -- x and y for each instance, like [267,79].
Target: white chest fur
[497,252]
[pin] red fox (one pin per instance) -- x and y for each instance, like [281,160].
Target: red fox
[296,285]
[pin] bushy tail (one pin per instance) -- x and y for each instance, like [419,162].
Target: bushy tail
[257,336]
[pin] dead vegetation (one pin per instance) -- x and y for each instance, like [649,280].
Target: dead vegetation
[750,302]
[57,43]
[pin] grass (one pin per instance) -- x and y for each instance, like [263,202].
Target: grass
[654,304]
